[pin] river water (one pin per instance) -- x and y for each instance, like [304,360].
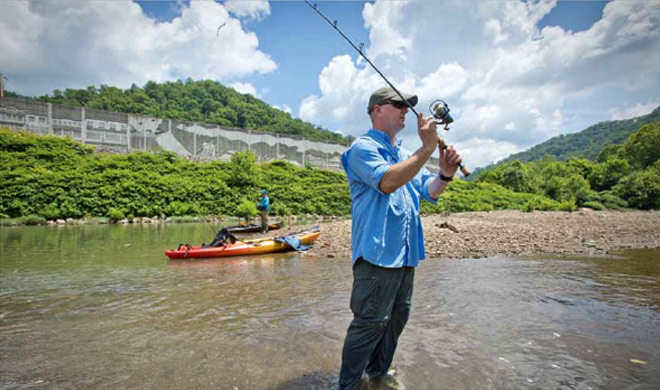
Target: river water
[100,307]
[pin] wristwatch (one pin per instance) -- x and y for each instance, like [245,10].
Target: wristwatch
[445,178]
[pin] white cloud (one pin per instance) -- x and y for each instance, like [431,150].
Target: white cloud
[507,90]
[619,113]
[479,152]
[446,81]
[385,20]
[493,27]
[345,91]
[47,45]
[284,108]
[252,9]
[244,88]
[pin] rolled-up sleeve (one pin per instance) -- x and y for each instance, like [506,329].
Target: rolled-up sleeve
[426,180]
[367,164]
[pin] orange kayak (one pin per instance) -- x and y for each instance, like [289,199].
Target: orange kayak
[241,248]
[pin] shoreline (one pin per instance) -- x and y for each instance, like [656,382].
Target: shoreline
[475,234]
[516,233]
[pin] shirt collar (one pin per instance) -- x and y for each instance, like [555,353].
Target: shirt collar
[384,138]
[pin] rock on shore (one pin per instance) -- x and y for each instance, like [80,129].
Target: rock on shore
[510,232]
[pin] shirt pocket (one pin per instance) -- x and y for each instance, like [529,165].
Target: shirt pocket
[364,298]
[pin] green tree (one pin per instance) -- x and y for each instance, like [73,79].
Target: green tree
[577,188]
[242,170]
[605,175]
[580,165]
[642,148]
[611,151]
[515,176]
[640,189]
[246,209]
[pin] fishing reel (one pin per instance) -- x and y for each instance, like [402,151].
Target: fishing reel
[440,111]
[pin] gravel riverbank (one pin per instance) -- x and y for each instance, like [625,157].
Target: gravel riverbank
[510,232]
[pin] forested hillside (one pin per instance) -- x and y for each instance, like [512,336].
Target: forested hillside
[589,142]
[624,175]
[198,101]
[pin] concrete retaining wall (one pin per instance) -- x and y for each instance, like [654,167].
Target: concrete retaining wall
[196,141]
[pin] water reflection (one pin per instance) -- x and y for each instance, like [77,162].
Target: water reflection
[101,307]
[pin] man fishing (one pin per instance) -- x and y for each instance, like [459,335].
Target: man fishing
[386,184]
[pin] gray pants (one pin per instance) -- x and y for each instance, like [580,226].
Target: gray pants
[264,221]
[380,302]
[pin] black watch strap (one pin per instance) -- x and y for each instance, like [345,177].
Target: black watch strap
[445,178]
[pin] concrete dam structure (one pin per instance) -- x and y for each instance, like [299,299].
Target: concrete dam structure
[196,141]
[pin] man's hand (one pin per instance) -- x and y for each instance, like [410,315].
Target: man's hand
[449,160]
[426,130]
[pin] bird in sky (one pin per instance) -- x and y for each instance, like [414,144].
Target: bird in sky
[221,26]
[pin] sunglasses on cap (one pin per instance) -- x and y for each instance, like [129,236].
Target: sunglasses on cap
[397,105]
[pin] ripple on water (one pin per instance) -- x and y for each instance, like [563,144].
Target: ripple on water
[114,316]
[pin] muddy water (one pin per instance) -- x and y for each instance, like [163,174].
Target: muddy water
[99,307]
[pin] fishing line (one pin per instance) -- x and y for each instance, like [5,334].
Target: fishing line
[439,109]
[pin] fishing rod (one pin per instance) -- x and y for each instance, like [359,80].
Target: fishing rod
[439,109]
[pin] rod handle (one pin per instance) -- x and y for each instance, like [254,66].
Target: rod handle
[463,169]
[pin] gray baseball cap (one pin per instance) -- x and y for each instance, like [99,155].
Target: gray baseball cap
[386,94]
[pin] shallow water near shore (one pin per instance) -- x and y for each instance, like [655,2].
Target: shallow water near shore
[100,307]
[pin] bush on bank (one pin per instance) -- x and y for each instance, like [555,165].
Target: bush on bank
[626,175]
[57,178]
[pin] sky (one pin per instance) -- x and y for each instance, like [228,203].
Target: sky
[513,73]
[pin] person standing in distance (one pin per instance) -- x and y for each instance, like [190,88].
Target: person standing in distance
[386,185]
[264,208]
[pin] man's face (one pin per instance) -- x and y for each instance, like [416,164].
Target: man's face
[393,114]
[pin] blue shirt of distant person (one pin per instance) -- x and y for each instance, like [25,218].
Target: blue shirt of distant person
[264,205]
[264,208]
[386,185]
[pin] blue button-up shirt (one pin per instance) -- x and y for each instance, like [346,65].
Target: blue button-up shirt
[264,205]
[386,228]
